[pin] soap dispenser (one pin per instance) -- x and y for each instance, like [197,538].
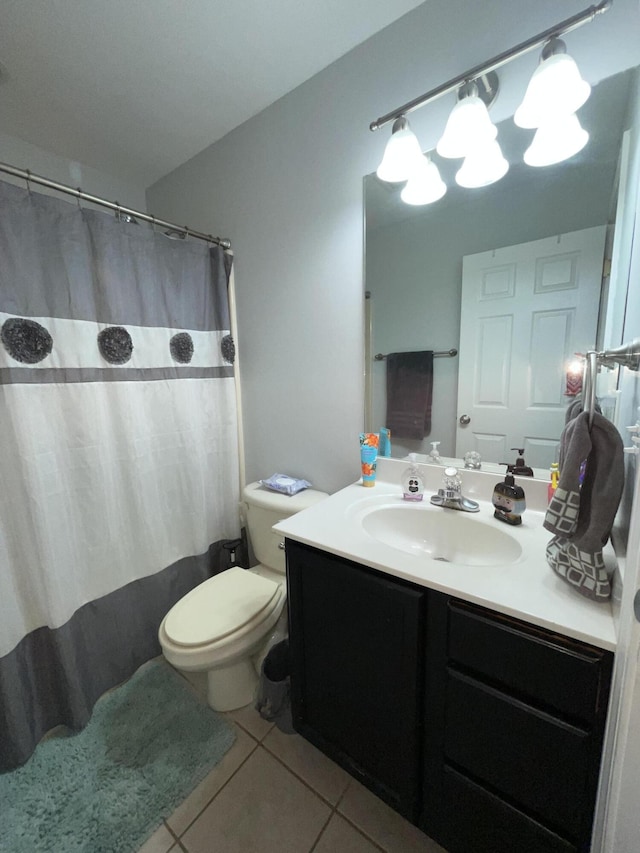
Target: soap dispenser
[520,468]
[434,456]
[412,482]
[508,499]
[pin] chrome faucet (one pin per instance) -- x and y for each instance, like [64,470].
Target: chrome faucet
[450,494]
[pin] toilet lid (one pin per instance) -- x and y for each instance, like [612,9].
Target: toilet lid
[218,607]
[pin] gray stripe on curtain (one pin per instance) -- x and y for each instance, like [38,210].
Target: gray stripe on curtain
[55,676]
[29,375]
[123,252]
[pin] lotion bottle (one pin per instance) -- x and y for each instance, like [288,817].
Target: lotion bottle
[554,475]
[412,482]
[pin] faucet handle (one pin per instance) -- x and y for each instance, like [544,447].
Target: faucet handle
[451,483]
[450,493]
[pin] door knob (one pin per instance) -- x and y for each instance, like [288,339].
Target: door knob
[464,420]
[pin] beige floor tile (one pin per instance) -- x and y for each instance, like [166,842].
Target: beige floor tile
[160,842]
[341,837]
[262,809]
[201,796]
[384,826]
[318,771]
[251,720]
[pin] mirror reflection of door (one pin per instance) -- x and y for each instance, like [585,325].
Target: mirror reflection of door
[526,310]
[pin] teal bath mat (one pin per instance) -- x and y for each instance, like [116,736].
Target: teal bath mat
[104,790]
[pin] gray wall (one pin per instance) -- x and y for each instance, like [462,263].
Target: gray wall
[287,188]
[24,155]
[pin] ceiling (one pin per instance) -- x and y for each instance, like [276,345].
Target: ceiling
[137,88]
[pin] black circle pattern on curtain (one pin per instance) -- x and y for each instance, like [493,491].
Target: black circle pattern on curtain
[228,349]
[115,345]
[181,347]
[26,340]
[29,342]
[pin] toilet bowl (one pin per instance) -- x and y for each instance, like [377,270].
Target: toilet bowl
[223,625]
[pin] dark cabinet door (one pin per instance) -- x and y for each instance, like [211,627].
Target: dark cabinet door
[356,647]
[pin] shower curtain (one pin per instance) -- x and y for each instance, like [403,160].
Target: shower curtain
[118,450]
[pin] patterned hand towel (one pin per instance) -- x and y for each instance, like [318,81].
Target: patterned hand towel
[575,408]
[576,555]
[575,446]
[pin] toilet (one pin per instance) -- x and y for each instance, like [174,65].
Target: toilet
[222,626]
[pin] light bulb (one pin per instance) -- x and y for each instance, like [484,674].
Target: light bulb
[424,185]
[555,89]
[556,141]
[468,125]
[401,155]
[483,166]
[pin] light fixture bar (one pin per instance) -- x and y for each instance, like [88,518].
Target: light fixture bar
[538,40]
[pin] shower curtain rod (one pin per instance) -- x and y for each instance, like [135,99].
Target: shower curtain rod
[78,193]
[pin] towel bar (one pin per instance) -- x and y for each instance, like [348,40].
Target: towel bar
[450,353]
[627,355]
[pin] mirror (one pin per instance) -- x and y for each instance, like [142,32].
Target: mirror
[540,217]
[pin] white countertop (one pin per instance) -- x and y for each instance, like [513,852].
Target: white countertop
[527,588]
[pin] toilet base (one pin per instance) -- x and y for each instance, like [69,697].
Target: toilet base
[233,686]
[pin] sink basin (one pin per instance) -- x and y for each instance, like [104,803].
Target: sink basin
[446,535]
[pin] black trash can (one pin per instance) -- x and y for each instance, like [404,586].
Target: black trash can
[273,697]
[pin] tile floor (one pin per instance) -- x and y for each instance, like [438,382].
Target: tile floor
[275,793]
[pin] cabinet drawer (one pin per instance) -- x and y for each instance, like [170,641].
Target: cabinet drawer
[567,678]
[536,762]
[479,821]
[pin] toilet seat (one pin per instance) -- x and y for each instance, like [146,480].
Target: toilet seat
[233,602]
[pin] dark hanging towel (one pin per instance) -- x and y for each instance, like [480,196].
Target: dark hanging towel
[409,393]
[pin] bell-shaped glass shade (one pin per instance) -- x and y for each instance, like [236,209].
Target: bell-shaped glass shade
[556,89]
[424,185]
[468,125]
[556,141]
[401,156]
[483,166]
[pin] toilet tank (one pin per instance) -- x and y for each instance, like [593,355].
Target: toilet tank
[264,508]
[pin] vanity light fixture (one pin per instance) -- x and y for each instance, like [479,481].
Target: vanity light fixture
[425,184]
[555,141]
[402,154]
[555,92]
[468,126]
[484,165]
[553,95]
[556,89]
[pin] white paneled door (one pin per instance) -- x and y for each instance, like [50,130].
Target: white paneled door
[526,310]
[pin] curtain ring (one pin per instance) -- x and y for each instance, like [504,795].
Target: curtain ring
[78,197]
[118,214]
[153,223]
[27,181]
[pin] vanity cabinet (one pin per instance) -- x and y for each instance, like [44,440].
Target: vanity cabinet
[356,679]
[482,729]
